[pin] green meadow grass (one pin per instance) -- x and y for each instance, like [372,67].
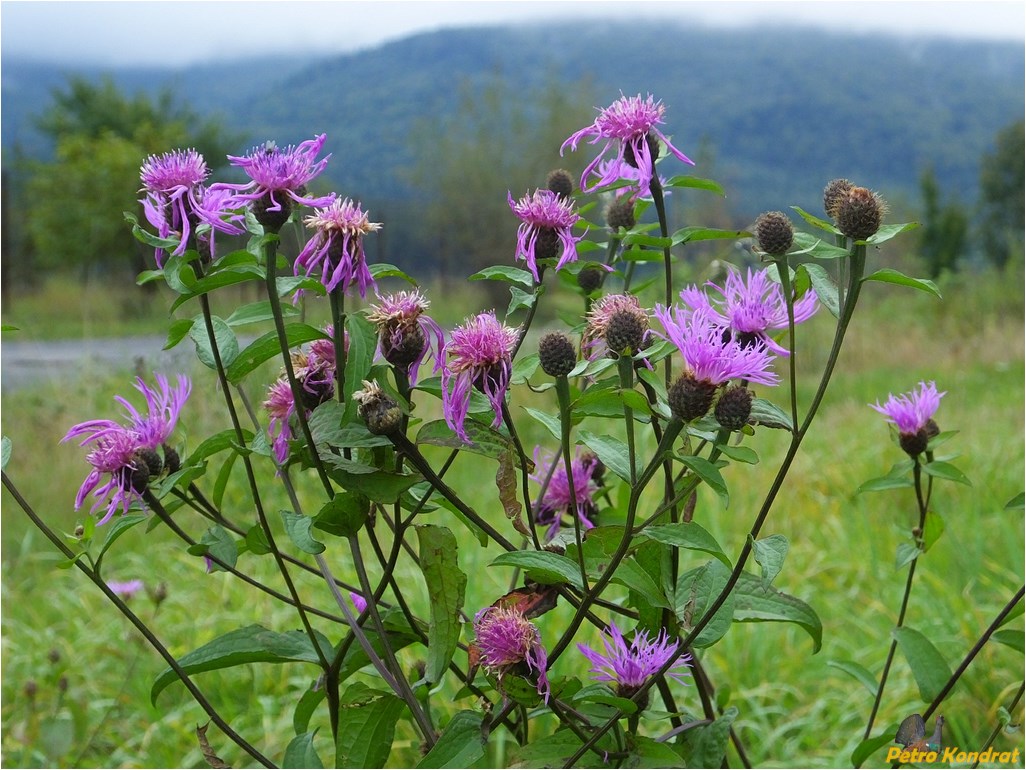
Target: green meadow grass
[795,709]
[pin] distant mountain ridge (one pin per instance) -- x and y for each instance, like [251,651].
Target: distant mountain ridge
[782,110]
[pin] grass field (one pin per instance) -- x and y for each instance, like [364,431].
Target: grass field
[795,709]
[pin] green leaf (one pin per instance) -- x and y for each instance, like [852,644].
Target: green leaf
[756,601]
[306,706]
[825,288]
[693,234]
[648,752]
[542,567]
[1017,503]
[251,644]
[9,328]
[228,277]
[697,589]
[631,574]
[523,368]
[297,526]
[611,451]
[741,454]
[384,270]
[694,182]
[806,245]
[460,745]
[226,439]
[709,742]
[550,422]
[906,554]
[689,535]
[884,483]
[343,515]
[708,473]
[178,331]
[770,553]
[398,634]
[519,298]
[256,541]
[255,312]
[363,341]
[366,728]
[504,273]
[5,452]
[484,440]
[227,342]
[446,586]
[888,275]
[117,528]
[947,471]
[1011,637]
[870,746]
[768,414]
[327,428]
[555,749]
[301,752]
[933,528]
[859,673]
[929,668]
[816,222]
[886,232]
[380,486]
[652,241]
[266,347]
[217,544]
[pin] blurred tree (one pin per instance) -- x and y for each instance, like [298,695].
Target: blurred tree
[499,139]
[74,204]
[944,234]
[1002,195]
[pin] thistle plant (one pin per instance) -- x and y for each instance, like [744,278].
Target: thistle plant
[601,518]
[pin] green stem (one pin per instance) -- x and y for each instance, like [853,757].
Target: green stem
[563,398]
[338,333]
[997,728]
[785,289]
[656,190]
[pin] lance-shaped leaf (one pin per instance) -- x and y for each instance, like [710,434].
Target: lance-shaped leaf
[543,567]
[709,742]
[611,451]
[366,727]
[461,744]
[446,586]
[868,747]
[297,526]
[363,341]
[484,440]
[227,343]
[825,288]
[301,752]
[857,672]
[757,601]
[929,668]
[697,590]
[251,644]
[889,275]
[708,473]
[689,535]
[266,347]
[504,273]
[770,553]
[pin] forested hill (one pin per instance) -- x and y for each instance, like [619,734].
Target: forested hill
[776,111]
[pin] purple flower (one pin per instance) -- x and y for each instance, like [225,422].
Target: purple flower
[127,452]
[126,589]
[505,638]
[358,602]
[337,246]
[631,122]
[629,665]
[603,312]
[585,468]
[173,183]
[709,357]
[280,175]
[480,356]
[911,412]
[547,219]
[617,169]
[406,335]
[748,308]
[280,406]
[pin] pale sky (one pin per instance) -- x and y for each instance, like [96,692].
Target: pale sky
[176,33]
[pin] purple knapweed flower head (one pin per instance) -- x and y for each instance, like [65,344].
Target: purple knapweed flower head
[615,323]
[912,414]
[126,589]
[586,470]
[173,183]
[616,169]
[128,452]
[278,177]
[707,355]
[280,406]
[546,223]
[479,356]
[358,602]
[505,638]
[630,123]
[336,249]
[748,308]
[630,665]
[406,335]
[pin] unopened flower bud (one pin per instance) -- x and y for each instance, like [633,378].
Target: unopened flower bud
[560,182]
[626,332]
[154,464]
[860,213]
[159,594]
[620,213]
[590,278]
[54,656]
[557,354]
[774,232]
[379,410]
[734,407]
[832,195]
[172,461]
[689,398]
[62,684]
[31,688]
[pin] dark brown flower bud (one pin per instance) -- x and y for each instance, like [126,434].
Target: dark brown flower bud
[932,428]
[620,213]
[774,232]
[689,398]
[159,594]
[379,410]
[54,655]
[31,688]
[154,464]
[914,444]
[272,221]
[860,213]
[62,684]
[172,461]
[547,244]
[556,354]
[560,182]
[832,195]
[590,278]
[734,407]
[626,332]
